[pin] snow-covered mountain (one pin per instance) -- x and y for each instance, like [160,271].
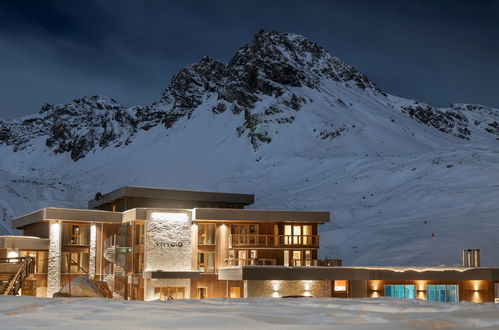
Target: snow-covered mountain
[407,183]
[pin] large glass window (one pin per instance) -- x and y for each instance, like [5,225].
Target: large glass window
[399,291]
[206,233]
[442,293]
[297,234]
[206,262]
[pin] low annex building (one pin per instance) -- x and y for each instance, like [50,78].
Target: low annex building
[149,243]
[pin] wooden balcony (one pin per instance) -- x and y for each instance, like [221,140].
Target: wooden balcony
[274,241]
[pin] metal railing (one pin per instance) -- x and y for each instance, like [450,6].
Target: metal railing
[251,262]
[274,240]
[27,267]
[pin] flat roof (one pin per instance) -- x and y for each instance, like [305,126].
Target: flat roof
[23,242]
[172,194]
[214,214]
[55,213]
[251,215]
[358,273]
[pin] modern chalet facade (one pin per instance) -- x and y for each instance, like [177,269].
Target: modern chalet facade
[149,243]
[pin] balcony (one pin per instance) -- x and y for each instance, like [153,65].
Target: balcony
[250,262]
[275,241]
[272,262]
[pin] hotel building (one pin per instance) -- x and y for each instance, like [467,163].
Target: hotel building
[149,243]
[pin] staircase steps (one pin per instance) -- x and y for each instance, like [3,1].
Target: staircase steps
[5,279]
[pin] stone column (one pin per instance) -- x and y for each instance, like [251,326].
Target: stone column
[92,252]
[54,262]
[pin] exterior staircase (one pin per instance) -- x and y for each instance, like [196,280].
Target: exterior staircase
[115,269]
[13,272]
[5,279]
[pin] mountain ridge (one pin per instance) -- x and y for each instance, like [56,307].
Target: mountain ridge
[300,129]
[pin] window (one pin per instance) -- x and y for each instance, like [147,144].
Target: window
[442,293]
[297,234]
[75,263]
[244,233]
[400,291]
[206,262]
[170,292]
[340,285]
[308,258]
[139,263]
[297,258]
[75,232]
[206,233]
[139,234]
[235,292]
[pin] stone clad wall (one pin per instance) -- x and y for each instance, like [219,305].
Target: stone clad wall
[270,288]
[168,241]
[168,247]
[54,262]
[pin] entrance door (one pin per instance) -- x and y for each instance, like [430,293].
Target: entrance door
[242,257]
[235,292]
[286,258]
[297,258]
[202,293]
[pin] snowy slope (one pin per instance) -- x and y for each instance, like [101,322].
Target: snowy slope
[297,127]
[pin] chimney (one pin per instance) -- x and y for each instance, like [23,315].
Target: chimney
[470,258]
[464,257]
[476,256]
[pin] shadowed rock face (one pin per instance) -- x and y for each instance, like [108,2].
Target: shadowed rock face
[264,84]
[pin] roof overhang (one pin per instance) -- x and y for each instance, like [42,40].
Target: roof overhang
[24,243]
[358,273]
[250,215]
[171,194]
[54,214]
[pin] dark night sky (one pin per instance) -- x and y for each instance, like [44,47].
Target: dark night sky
[52,51]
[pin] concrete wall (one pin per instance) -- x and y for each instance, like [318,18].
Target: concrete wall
[274,288]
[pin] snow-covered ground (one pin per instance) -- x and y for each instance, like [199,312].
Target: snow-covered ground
[268,313]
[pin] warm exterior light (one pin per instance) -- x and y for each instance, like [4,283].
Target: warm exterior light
[307,285]
[340,285]
[275,285]
[12,254]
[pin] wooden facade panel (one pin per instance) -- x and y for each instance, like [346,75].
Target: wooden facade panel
[215,288]
[40,229]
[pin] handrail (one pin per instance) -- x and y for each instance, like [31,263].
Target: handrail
[251,262]
[23,272]
[274,240]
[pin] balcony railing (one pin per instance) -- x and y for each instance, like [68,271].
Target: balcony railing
[250,262]
[274,240]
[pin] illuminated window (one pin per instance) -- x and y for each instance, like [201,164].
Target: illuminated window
[399,291]
[340,285]
[442,293]
[170,292]
[297,234]
[235,292]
